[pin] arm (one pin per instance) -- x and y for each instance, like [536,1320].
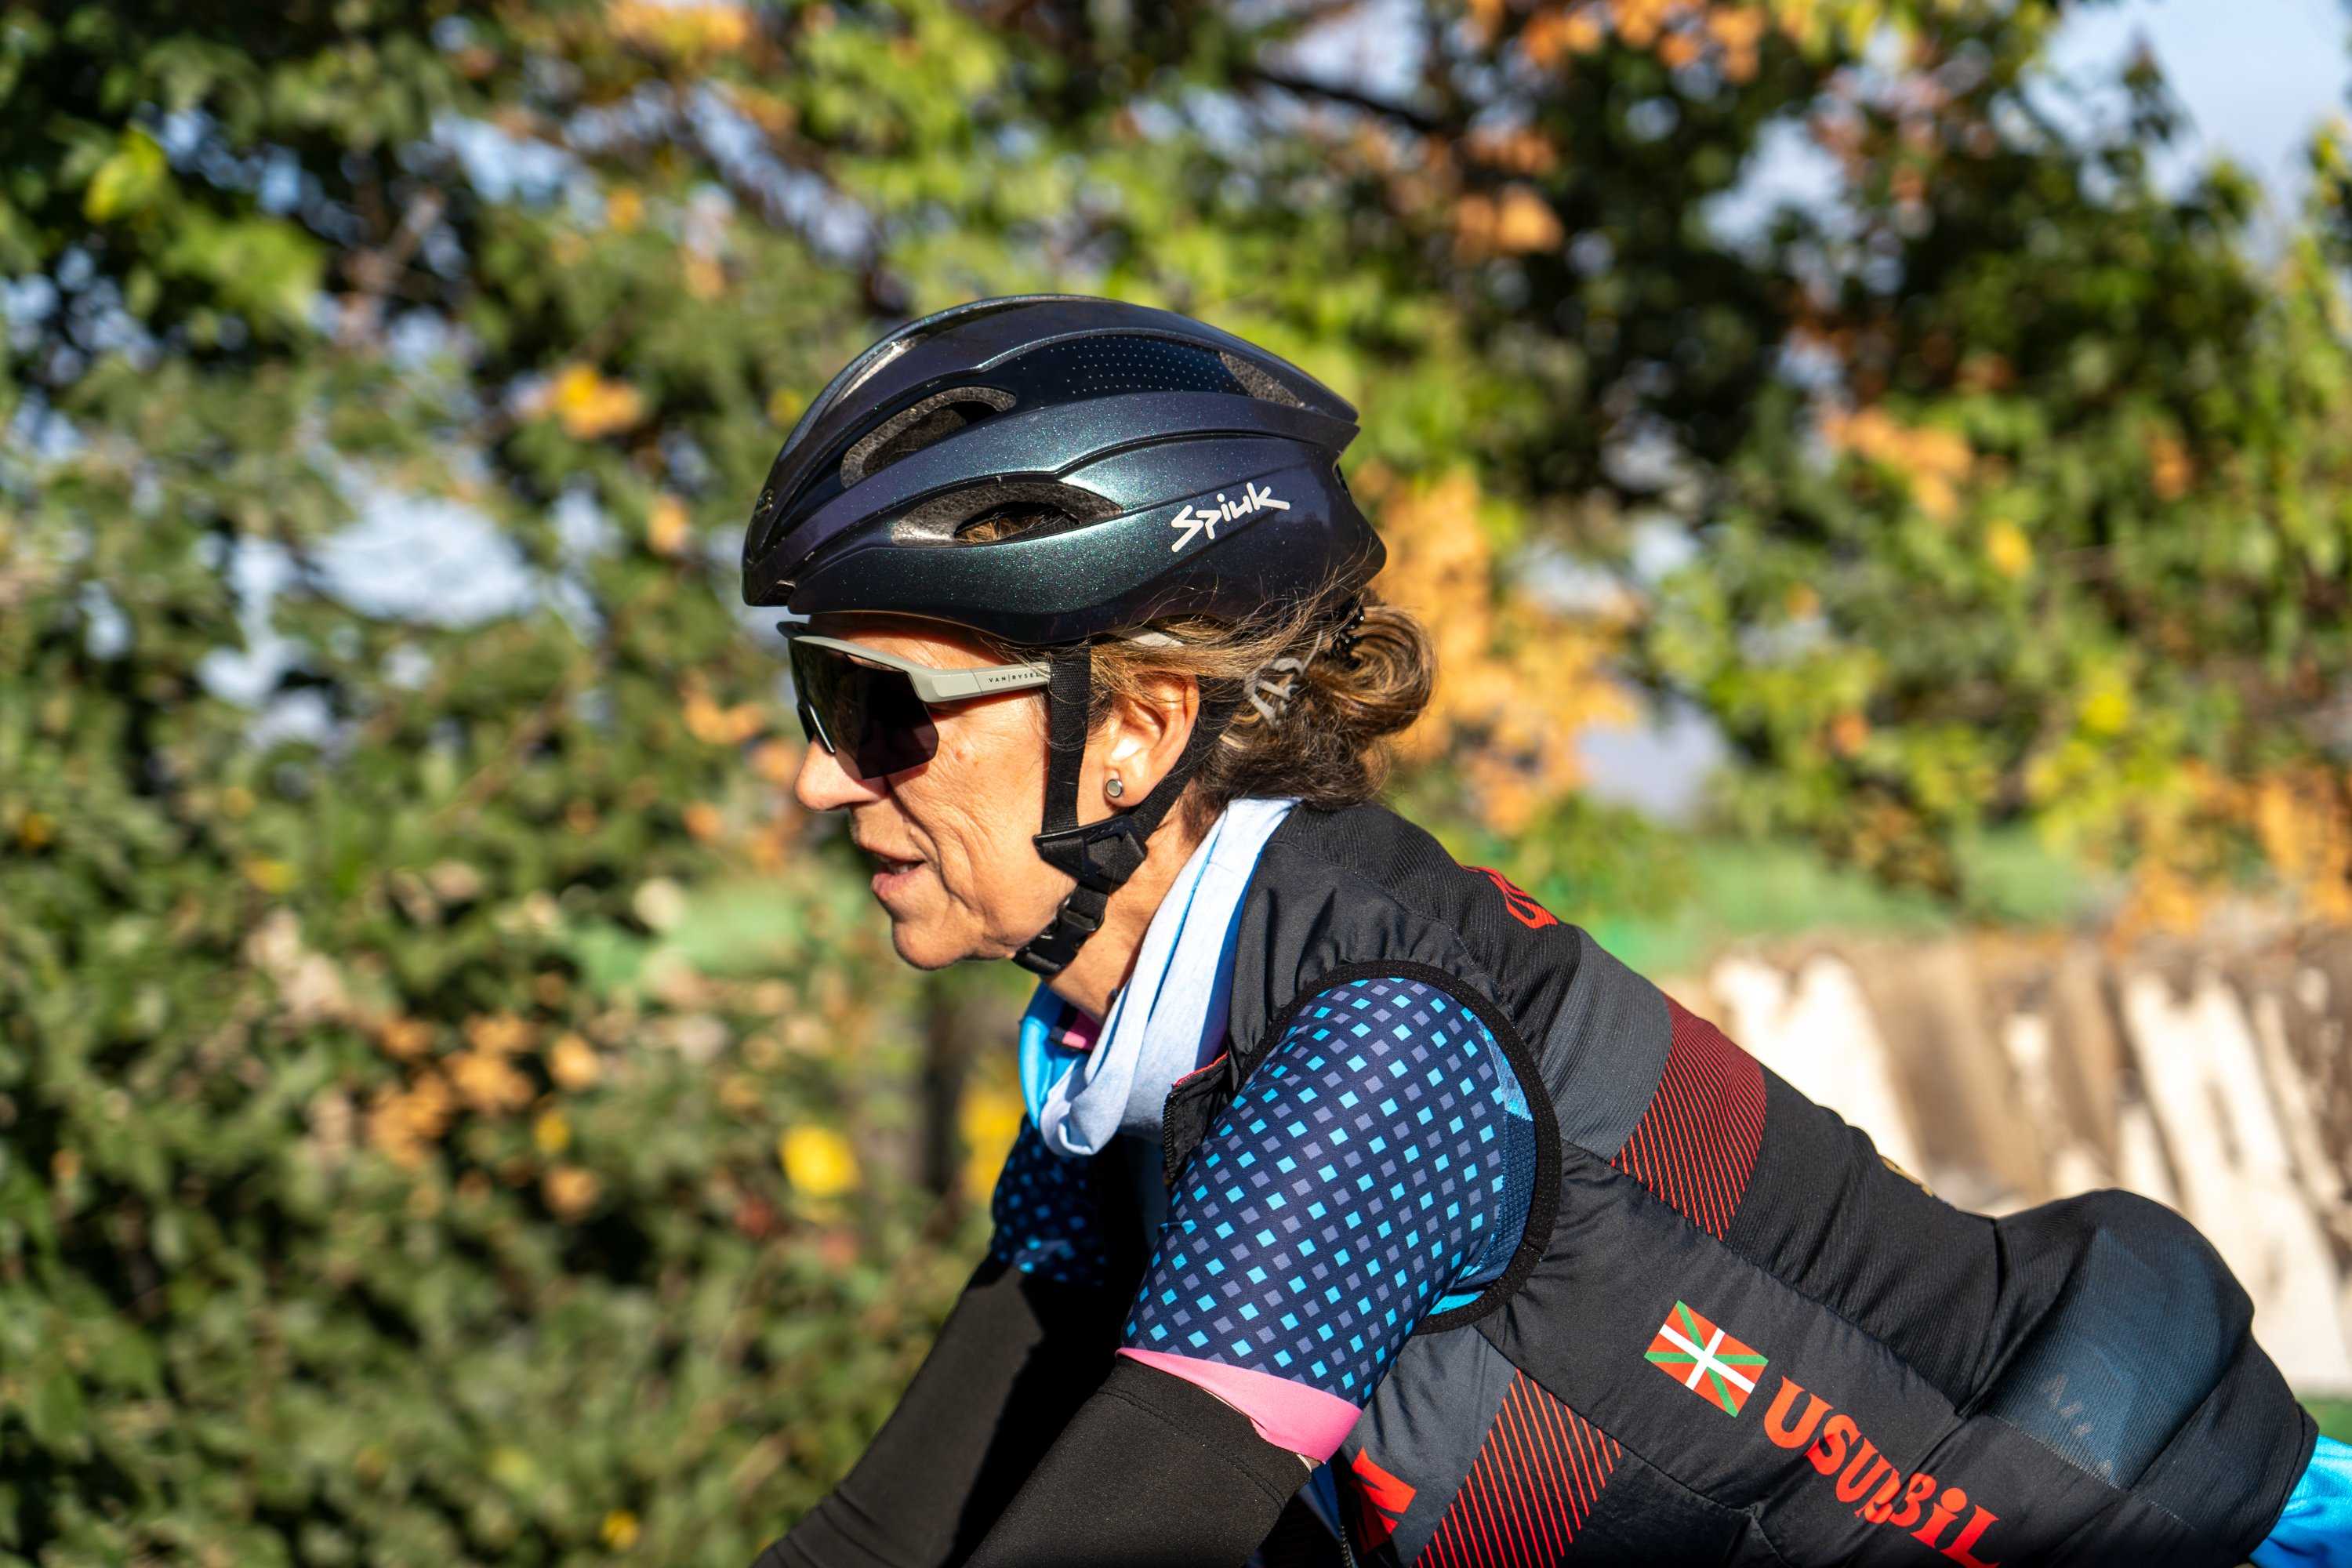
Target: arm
[1343,1193]
[1152,1472]
[2316,1530]
[1029,1340]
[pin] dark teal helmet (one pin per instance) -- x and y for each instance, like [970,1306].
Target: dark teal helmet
[1129,464]
[1156,467]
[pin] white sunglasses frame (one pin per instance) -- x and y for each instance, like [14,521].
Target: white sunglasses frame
[935,685]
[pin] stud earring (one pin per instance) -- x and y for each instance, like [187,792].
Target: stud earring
[1113,787]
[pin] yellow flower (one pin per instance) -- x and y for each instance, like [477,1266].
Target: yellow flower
[2107,709]
[573,1063]
[588,406]
[570,1191]
[551,1132]
[2007,548]
[990,1120]
[818,1161]
[624,210]
[665,525]
[620,1530]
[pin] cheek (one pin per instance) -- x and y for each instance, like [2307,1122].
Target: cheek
[990,792]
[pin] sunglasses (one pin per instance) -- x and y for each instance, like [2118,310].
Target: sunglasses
[873,709]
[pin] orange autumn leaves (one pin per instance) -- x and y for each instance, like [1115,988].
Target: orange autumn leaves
[1681,32]
[2298,817]
[1934,461]
[1517,680]
[488,1078]
[588,404]
[1729,35]
[761,817]
[2177,828]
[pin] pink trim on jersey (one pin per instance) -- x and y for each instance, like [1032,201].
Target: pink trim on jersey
[1287,1414]
[1077,1031]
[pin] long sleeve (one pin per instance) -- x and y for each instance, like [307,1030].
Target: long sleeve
[1153,1472]
[1029,1340]
[2315,1529]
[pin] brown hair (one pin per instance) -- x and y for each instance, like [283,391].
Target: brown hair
[1313,723]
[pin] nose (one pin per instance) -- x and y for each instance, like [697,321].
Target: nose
[824,784]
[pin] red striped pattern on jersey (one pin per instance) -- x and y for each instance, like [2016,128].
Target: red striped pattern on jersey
[1695,1144]
[1530,1488]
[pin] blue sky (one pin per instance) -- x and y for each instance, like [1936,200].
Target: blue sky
[2255,75]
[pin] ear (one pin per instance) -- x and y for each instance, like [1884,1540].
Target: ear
[1143,737]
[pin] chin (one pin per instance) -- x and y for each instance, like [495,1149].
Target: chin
[923,948]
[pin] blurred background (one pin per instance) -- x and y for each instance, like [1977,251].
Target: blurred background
[1879,472]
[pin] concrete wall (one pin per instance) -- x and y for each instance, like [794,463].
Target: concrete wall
[2005,1071]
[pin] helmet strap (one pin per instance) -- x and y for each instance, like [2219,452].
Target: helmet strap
[1101,855]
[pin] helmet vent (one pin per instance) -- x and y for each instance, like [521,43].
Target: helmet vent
[981,515]
[1260,383]
[911,429]
[1001,523]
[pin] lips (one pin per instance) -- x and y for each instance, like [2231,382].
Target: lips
[893,877]
[889,862]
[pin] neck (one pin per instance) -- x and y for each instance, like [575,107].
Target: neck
[1103,964]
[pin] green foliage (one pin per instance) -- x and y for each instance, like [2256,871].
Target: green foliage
[454,1109]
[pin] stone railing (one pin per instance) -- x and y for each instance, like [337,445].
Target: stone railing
[2214,1077]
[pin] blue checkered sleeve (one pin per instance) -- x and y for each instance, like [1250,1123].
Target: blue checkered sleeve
[1048,1220]
[1379,1160]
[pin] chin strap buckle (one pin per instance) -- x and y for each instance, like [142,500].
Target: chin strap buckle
[1100,856]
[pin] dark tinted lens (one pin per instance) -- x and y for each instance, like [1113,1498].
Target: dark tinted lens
[867,715]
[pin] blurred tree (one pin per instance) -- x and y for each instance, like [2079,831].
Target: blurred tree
[2014,481]
[456,1110]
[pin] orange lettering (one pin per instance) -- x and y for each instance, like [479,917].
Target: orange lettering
[1948,1508]
[1852,1490]
[1829,1454]
[1922,1488]
[1958,1549]
[1776,1419]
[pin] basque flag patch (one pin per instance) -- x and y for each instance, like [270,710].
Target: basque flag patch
[1707,1361]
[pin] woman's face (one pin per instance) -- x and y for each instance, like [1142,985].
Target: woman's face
[950,837]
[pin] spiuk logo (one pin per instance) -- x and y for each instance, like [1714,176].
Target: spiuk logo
[1199,518]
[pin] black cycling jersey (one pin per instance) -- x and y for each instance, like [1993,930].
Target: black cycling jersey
[1730,1333]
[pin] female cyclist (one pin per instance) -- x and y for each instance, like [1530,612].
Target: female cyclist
[1355,1187]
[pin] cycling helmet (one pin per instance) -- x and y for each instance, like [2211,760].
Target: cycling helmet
[1053,467]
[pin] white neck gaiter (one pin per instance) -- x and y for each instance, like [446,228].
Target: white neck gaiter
[1170,1017]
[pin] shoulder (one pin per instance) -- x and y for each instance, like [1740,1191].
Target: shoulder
[1339,893]
[1389,1050]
